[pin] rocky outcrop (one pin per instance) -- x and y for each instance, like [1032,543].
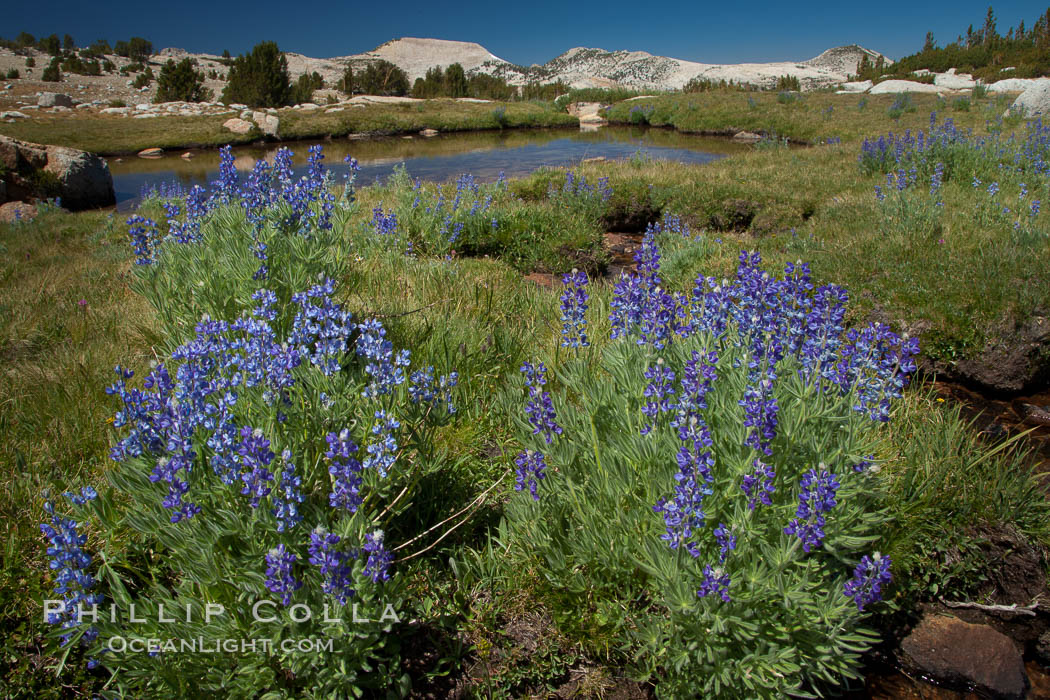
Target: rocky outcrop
[1014,360]
[54,99]
[965,657]
[16,211]
[1033,102]
[237,125]
[37,171]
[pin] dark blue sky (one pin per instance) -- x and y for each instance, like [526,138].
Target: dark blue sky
[530,32]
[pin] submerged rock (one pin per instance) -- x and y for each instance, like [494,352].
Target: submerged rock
[964,656]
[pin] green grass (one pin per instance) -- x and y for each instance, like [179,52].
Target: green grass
[111,135]
[56,358]
[803,120]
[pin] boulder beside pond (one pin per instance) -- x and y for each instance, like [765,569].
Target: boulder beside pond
[38,171]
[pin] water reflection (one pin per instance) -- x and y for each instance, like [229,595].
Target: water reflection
[484,154]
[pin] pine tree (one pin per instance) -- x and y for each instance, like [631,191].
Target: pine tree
[259,79]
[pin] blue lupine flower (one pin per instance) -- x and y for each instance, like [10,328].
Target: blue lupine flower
[871,574]
[87,493]
[225,188]
[683,514]
[758,485]
[816,499]
[726,542]
[627,306]
[383,364]
[760,414]
[321,328]
[540,409]
[256,455]
[574,310]
[289,495]
[422,389]
[531,470]
[382,452]
[73,582]
[377,567]
[335,565]
[715,582]
[659,393]
[279,576]
[144,239]
[345,471]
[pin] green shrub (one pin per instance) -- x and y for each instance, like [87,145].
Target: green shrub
[181,82]
[979,92]
[346,82]
[303,90]
[788,82]
[13,74]
[30,62]
[52,74]
[144,79]
[259,78]
[382,78]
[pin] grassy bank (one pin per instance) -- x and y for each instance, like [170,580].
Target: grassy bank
[110,135]
[802,117]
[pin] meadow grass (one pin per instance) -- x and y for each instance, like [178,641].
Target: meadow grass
[66,317]
[111,135]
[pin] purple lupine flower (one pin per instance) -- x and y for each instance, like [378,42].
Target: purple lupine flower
[422,388]
[871,574]
[379,558]
[574,310]
[758,485]
[659,393]
[627,306]
[279,576]
[382,452]
[696,382]
[683,514]
[256,455]
[384,224]
[760,414]
[335,565]
[345,471]
[531,470]
[321,328]
[715,582]
[289,496]
[726,542]
[145,240]
[382,364]
[540,409]
[816,499]
[647,259]
[73,582]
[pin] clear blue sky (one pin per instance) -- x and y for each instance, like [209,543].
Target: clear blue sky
[525,33]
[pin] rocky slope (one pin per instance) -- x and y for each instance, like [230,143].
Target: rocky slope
[589,67]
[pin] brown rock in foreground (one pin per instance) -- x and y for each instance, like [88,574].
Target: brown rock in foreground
[964,656]
[37,171]
[16,211]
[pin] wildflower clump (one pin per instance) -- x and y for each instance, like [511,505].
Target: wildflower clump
[724,429]
[267,459]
